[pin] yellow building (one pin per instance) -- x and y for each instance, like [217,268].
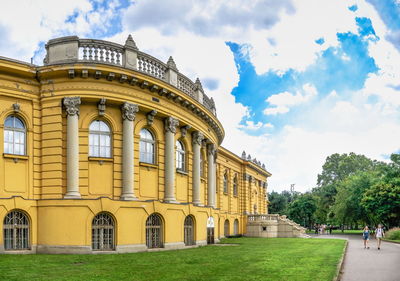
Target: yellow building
[106,148]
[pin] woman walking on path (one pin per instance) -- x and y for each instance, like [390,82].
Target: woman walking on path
[366,237]
[379,233]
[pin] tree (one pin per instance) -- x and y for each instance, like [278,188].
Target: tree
[302,210]
[382,202]
[278,202]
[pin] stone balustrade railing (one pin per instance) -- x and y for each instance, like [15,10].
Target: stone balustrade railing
[72,49]
[263,217]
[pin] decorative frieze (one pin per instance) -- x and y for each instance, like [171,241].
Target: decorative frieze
[170,124]
[72,105]
[129,111]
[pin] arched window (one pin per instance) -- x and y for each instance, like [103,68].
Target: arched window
[103,233]
[99,139]
[154,233]
[236,227]
[180,156]
[146,149]
[14,136]
[188,232]
[226,228]
[16,231]
[226,182]
[235,186]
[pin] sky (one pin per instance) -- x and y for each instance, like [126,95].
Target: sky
[294,81]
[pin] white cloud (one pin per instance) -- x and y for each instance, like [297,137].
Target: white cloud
[250,125]
[281,103]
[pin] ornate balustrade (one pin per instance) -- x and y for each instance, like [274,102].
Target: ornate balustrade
[72,49]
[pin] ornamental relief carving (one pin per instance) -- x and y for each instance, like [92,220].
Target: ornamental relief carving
[170,124]
[129,111]
[197,138]
[72,105]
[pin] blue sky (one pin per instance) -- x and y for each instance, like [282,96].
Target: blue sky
[293,80]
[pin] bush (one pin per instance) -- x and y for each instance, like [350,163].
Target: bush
[393,234]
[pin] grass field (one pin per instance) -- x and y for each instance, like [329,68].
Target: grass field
[251,259]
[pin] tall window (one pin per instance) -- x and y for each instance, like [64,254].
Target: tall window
[103,232]
[99,139]
[226,228]
[154,234]
[147,147]
[188,231]
[180,156]
[236,227]
[16,231]
[14,136]
[235,186]
[226,182]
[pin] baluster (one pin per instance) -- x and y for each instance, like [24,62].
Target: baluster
[84,52]
[113,56]
[107,54]
[96,52]
[140,64]
[90,52]
[118,58]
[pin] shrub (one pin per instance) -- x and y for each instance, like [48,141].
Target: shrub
[393,234]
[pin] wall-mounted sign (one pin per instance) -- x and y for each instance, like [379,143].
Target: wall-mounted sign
[210,222]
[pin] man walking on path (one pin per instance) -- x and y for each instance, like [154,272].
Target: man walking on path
[379,234]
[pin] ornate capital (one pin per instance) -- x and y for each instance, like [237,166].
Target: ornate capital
[129,111]
[197,137]
[170,124]
[211,149]
[72,105]
[150,117]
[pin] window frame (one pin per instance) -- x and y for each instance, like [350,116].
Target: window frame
[100,229]
[14,129]
[11,229]
[225,183]
[146,142]
[180,155]
[235,186]
[98,134]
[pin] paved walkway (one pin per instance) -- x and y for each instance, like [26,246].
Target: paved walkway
[369,265]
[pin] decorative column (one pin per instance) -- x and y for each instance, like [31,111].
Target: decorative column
[72,108]
[211,150]
[170,131]
[197,138]
[128,116]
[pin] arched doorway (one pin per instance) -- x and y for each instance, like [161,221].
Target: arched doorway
[103,232]
[188,231]
[226,228]
[210,230]
[154,233]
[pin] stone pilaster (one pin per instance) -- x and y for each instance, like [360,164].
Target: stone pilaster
[197,138]
[72,108]
[129,111]
[211,151]
[170,131]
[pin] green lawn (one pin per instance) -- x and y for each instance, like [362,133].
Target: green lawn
[253,259]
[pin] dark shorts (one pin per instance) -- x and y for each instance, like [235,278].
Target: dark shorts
[366,237]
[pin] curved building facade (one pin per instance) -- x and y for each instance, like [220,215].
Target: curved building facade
[106,148]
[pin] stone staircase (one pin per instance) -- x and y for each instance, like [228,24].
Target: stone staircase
[273,225]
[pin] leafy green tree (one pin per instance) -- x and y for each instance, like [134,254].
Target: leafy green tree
[382,202]
[302,210]
[278,202]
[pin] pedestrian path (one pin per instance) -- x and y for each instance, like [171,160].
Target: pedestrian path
[369,264]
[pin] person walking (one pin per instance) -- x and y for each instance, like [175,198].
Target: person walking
[366,237]
[379,234]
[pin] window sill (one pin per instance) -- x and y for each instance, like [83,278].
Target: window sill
[100,159]
[182,172]
[148,165]
[16,157]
